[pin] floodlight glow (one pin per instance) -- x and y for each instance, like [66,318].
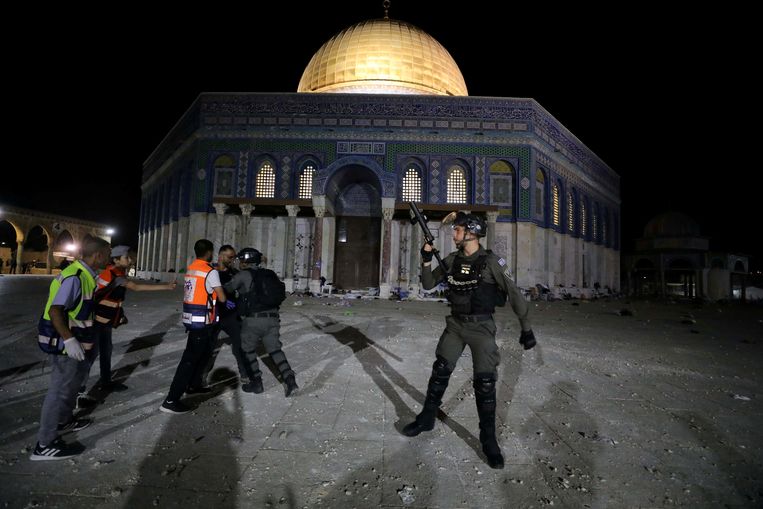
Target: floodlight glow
[71,247]
[110,231]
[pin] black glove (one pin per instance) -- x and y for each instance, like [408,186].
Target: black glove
[426,256]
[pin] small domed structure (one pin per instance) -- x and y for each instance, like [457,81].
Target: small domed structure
[671,224]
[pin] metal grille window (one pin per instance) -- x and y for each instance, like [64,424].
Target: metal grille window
[266,182]
[595,230]
[456,185]
[570,213]
[306,182]
[555,198]
[412,185]
[583,220]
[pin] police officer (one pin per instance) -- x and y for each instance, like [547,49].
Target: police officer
[478,280]
[264,323]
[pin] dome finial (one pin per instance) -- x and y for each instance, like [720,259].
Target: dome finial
[386,3]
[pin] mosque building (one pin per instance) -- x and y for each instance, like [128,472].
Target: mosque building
[319,180]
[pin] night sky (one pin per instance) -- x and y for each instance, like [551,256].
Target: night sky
[662,98]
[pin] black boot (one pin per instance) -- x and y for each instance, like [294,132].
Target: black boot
[291,385]
[254,385]
[527,339]
[484,394]
[438,382]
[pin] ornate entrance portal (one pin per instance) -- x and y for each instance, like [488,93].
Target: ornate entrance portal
[358,228]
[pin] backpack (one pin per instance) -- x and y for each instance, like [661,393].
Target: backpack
[265,292]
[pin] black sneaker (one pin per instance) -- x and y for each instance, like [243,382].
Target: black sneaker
[56,450]
[254,386]
[86,401]
[174,407]
[198,390]
[75,425]
[111,386]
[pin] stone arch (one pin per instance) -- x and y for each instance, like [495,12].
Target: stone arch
[326,175]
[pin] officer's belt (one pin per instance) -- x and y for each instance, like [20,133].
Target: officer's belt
[473,318]
[265,315]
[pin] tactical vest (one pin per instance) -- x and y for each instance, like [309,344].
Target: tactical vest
[80,317]
[468,293]
[198,305]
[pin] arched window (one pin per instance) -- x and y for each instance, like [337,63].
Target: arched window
[266,181]
[456,185]
[604,222]
[540,185]
[570,213]
[555,203]
[502,186]
[412,185]
[224,170]
[306,177]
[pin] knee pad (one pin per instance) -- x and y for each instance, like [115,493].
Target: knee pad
[441,367]
[484,384]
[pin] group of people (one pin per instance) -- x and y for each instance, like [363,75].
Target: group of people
[210,306]
[244,304]
[85,304]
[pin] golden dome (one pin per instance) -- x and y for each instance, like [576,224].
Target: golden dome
[383,56]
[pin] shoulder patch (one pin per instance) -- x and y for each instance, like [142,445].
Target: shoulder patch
[501,262]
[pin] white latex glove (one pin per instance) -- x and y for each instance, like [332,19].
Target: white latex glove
[73,349]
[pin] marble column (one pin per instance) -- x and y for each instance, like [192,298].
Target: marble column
[48,259]
[492,217]
[316,262]
[288,256]
[19,254]
[385,285]
[246,218]
[218,233]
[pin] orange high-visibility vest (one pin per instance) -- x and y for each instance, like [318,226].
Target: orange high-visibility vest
[198,304]
[107,308]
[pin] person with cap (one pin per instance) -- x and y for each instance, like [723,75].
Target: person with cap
[477,280]
[109,314]
[202,291]
[260,295]
[65,333]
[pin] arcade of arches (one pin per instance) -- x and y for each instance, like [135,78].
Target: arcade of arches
[35,242]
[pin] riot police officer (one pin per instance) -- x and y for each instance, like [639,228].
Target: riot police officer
[260,295]
[478,280]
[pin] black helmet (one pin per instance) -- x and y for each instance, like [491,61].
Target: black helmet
[250,255]
[472,223]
